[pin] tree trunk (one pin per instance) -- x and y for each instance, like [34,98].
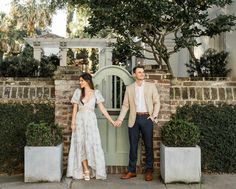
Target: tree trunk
[168,66]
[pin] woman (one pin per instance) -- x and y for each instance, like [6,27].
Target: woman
[86,156]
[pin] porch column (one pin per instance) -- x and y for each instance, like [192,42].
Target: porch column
[63,53]
[63,56]
[108,54]
[37,50]
[230,42]
[102,57]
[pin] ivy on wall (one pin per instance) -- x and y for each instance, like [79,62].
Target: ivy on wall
[218,134]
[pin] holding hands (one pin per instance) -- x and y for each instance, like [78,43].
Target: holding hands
[116,123]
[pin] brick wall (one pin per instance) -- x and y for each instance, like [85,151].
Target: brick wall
[187,91]
[26,90]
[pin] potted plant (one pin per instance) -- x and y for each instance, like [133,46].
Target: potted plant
[180,156]
[43,155]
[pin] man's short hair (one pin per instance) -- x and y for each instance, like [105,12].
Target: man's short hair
[138,66]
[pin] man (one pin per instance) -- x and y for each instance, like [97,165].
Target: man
[142,99]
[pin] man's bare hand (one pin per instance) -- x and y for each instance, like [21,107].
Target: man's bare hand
[153,120]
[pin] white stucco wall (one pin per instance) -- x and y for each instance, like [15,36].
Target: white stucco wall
[177,60]
[230,41]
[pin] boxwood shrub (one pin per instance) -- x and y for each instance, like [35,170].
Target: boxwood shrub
[180,133]
[43,134]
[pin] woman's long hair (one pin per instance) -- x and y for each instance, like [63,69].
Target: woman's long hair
[88,78]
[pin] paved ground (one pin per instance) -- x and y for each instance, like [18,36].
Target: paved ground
[224,181]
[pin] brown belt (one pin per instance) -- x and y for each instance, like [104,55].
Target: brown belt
[142,113]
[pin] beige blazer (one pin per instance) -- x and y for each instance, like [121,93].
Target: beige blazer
[152,100]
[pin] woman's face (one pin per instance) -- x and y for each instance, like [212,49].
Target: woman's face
[82,83]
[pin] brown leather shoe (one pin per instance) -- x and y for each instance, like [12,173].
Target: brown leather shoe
[128,175]
[148,176]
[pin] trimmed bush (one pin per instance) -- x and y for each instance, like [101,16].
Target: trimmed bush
[180,133]
[218,134]
[43,134]
[13,121]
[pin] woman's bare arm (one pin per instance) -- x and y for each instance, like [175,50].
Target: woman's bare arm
[74,111]
[105,113]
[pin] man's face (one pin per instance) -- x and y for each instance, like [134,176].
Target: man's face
[139,74]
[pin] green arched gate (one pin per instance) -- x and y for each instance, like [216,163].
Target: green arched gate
[111,81]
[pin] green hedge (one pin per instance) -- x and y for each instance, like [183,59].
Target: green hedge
[14,119]
[218,135]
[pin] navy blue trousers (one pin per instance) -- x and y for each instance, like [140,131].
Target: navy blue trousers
[145,127]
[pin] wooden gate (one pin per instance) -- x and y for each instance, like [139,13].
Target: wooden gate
[111,81]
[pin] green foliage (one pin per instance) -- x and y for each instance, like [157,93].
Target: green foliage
[211,64]
[218,135]
[180,133]
[70,56]
[31,16]
[25,19]
[123,52]
[155,22]
[77,20]
[11,36]
[43,134]
[18,67]
[24,65]
[94,58]
[13,121]
[48,65]
[82,54]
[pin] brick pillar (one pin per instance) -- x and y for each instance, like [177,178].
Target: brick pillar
[66,81]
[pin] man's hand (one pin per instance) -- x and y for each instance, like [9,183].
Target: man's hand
[118,123]
[152,118]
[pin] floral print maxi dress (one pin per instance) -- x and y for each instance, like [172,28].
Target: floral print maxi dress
[86,141]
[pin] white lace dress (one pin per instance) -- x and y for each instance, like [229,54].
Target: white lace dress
[86,141]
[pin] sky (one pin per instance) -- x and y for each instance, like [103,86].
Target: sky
[58,22]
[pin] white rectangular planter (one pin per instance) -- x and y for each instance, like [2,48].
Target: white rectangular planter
[43,163]
[180,164]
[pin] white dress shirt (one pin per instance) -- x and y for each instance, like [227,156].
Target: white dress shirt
[139,98]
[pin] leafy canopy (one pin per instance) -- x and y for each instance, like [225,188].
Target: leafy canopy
[157,23]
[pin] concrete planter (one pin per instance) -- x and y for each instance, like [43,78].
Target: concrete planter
[43,163]
[180,164]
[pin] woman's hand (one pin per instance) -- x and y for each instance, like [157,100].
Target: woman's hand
[113,123]
[73,127]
